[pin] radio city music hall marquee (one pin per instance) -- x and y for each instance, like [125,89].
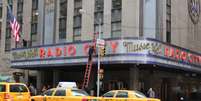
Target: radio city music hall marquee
[124,47]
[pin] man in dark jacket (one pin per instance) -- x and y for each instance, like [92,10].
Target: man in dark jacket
[90,52]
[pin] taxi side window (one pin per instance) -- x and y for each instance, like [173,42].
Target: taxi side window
[18,88]
[121,94]
[48,92]
[2,88]
[109,94]
[60,93]
[79,93]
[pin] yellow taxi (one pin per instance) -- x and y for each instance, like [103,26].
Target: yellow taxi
[128,95]
[14,92]
[63,94]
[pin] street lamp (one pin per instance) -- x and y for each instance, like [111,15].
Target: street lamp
[82,11]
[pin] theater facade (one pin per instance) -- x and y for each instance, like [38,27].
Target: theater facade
[129,63]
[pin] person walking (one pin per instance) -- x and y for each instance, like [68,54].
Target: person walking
[44,88]
[151,93]
[32,89]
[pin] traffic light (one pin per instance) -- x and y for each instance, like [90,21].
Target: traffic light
[102,51]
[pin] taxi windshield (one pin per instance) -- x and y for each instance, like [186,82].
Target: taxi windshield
[139,94]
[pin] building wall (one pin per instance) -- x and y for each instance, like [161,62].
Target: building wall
[5,56]
[184,32]
[131,8]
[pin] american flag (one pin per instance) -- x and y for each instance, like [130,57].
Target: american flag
[15,26]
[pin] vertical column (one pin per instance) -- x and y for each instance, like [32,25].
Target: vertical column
[134,77]
[26,76]
[3,28]
[87,29]
[107,19]
[27,12]
[70,13]
[57,20]
[149,23]
[55,77]
[130,17]
[39,80]
[40,35]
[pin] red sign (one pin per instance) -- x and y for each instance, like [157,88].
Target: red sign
[182,55]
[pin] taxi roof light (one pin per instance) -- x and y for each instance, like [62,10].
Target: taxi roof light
[67,85]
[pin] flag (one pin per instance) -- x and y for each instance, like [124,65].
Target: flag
[15,26]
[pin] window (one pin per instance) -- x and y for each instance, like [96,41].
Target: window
[34,22]
[99,5]
[19,18]
[168,21]
[122,94]
[1,9]
[98,16]
[48,92]
[116,18]
[63,8]
[8,30]
[2,88]
[20,11]
[0,29]
[60,92]
[34,4]
[34,28]
[79,93]
[62,19]
[10,2]
[18,88]
[109,94]
[139,94]
[77,21]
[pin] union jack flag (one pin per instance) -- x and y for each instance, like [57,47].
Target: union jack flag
[15,26]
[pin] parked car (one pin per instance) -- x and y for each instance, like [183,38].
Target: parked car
[62,94]
[14,92]
[126,94]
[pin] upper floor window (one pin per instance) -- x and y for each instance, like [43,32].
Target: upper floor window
[62,19]
[116,18]
[98,16]
[77,20]
[8,29]
[34,22]
[34,4]
[168,21]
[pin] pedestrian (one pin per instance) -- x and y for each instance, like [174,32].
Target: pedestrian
[32,89]
[48,86]
[44,88]
[91,51]
[151,93]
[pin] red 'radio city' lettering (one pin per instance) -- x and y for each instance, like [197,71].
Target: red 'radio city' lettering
[57,51]
[182,55]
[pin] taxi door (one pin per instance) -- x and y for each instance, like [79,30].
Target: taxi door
[47,95]
[59,95]
[13,93]
[23,89]
[2,91]
[19,92]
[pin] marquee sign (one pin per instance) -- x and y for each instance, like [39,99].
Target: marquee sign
[123,51]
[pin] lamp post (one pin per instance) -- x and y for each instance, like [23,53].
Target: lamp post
[82,11]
